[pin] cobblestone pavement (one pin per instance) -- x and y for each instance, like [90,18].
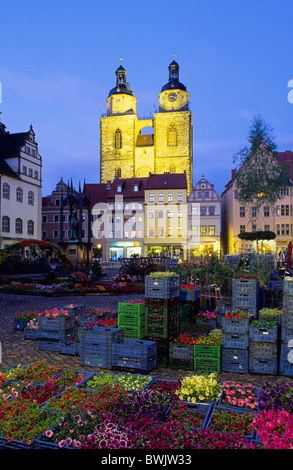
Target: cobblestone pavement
[17,350]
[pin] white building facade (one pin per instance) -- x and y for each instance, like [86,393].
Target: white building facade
[21,187]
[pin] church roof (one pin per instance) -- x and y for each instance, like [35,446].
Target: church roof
[145,140]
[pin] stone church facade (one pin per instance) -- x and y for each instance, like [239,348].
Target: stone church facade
[132,147]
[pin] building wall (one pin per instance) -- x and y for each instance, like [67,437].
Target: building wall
[165,235]
[278,219]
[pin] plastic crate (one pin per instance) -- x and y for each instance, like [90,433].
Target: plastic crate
[167,329]
[267,335]
[15,444]
[99,334]
[104,361]
[285,367]
[223,306]
[181,351]
[235,360]
[162,307]
[263,366]
[19,324]
[69,347]
[246,301]
[141,349]
[287,303]
[288,286]
[210,323]
[189,296]
[239,409]
[133,332]
[207,352]
[207,365]
[55,323]
[162,287]
[286,334]
[245,286]
[127,308]
[184,364]
[262,350]
[48,345]
[43,333]
[220,408]
[125,319]
[235,340]
[236,325]
[287,321]
[30,333]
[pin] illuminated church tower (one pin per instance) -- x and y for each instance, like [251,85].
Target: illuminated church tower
[127,146]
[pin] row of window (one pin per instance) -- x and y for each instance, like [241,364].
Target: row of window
[19,194]
[30,151]
[172,137]
[30,172]
[170,197]
[283,192]
[56,234]
[281,229]
[204,230]
[281,210]
[18,225]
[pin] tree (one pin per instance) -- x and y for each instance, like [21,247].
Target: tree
[260,177]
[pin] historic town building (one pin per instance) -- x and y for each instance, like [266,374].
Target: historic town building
[21,187]
[131,147]
[237,218]
[204,225]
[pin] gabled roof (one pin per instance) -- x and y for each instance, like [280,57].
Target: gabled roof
[167,181]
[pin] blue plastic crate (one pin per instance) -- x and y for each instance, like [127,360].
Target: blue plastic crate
[43,333]
[237,408]
[135,348]
[263,366]
[102,335]
[30,333]
[245,286]
[48,345]
[235,360]
[223,408]
[262,350]
[267,335]
[69,347]
[55,323]
[104,361]
[234,340]
[236,325]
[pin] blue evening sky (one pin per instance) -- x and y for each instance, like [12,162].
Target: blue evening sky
[58,62]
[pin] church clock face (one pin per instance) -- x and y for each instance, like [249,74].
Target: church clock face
[172,96]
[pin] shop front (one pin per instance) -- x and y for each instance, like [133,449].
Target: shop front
[124,249]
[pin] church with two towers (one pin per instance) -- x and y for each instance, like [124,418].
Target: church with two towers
[132,147]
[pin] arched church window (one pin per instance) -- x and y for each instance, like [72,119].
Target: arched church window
[172,169]
[172,135]
[118,172]
[118,139]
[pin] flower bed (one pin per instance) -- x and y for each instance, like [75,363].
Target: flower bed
[236,396]
[156,417]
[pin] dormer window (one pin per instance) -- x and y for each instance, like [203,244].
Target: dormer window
[119,188]
[136,188]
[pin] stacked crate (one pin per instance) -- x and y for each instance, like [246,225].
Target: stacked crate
[245,295]
[134,355]
[131,318]
[52,331]
[95,345]
[235,331]
[181,356]
[264,350]
[285,367]
[207,359]
[184,319]
[162,313]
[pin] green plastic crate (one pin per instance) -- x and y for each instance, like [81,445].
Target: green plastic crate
[207,352]
[207,365]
